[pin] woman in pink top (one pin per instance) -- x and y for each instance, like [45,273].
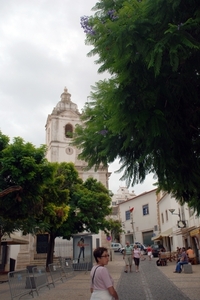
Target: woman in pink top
[136,257]
[101,285]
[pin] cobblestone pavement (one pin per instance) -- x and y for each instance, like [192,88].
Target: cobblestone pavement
[148,284]
[189,284]
[151,283]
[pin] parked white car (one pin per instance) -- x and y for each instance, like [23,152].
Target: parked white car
[116,247]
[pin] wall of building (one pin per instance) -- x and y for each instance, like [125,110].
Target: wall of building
[122,195]
[171,235]
[140,222]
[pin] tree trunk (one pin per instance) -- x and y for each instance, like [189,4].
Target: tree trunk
[50,250]
[1,234]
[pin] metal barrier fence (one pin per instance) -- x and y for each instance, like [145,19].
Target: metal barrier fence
[20,284]
[39,278]
[56,273]
[67,267]
[80,266]
[70,265]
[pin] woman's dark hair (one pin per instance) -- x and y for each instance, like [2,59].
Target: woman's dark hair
[97,253]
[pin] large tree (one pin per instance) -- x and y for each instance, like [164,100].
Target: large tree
[56,198]
[72,206]
[89,206]
[148,113]
[39,196]
[23,173]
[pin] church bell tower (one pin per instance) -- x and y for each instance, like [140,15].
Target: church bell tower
[60,127]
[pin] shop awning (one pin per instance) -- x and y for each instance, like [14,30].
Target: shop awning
[163,234]
[186,230]
[157,237]
[194,232]
[13,239]
[168,232]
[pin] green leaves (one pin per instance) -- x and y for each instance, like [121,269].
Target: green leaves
[149,108]
[22,164]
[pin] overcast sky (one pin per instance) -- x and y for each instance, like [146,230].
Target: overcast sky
[42,50]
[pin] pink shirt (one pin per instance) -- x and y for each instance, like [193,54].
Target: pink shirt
[136,253]
[102,279]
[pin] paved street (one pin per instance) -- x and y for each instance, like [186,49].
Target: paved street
[148,284]
[151,283]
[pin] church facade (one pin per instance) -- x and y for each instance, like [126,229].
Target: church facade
[60,127]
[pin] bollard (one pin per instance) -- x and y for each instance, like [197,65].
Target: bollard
[111,254]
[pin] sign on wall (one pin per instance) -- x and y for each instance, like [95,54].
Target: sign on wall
[82,248]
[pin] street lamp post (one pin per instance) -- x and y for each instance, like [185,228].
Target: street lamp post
[131,211]
[133,230]
[181,223]
[172,211]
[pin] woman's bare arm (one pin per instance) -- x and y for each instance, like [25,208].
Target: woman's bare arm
[113,293]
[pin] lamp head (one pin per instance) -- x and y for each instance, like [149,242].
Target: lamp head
[172,210]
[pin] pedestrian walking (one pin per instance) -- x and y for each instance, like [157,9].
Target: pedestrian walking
[136,257]
[128,256]
[142,253]
[101,283]
[149,252]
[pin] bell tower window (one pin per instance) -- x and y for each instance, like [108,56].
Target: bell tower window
[69,131]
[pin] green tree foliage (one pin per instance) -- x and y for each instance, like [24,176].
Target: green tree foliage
[71,206]
[56,198]
[148,113]
[23,172]
[115,229]
[53,198]
[24,165]
[89,206]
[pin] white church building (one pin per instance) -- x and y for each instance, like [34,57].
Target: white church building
[60,126]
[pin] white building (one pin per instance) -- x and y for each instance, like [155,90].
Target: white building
[179,226]
[122,195]
[60,127]
[138,216]
[158,218]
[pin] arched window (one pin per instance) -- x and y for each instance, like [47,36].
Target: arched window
[69,131]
